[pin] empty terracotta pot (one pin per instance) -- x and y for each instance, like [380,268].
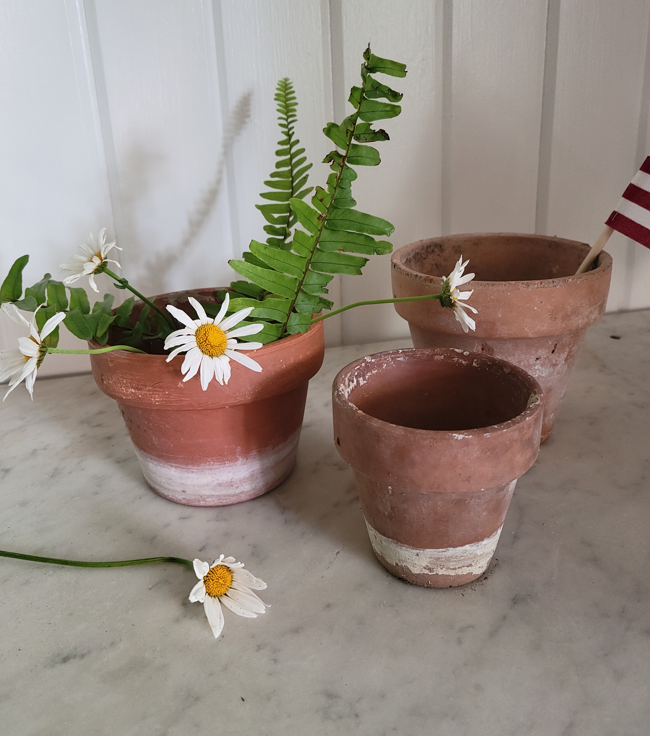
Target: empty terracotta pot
[224,445]
[532,310]
[437,439]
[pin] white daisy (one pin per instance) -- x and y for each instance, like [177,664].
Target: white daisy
[226,581]
[210,343]
[22,362]
[92,262]
[451,297]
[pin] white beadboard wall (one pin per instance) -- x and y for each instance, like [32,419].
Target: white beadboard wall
[156,119]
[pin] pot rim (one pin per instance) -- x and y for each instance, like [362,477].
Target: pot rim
[534,406]
[602,268]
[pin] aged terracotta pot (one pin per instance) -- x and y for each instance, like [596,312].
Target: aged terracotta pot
[224,445]
[533,310]
[437,439]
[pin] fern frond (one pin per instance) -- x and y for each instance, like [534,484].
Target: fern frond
[290,177]
[333,231]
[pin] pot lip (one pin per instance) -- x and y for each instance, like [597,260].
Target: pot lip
[604,263]
[535,402]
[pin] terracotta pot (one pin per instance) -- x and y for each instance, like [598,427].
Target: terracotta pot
[437,439]
[532,310]
[224,445]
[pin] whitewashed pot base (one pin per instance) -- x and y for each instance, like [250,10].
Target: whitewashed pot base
[220,483]
[470,559]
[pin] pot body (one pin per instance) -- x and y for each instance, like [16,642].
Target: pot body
[437,439]
[532,310]
[221,446]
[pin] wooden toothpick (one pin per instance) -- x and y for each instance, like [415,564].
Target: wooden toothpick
[595,249]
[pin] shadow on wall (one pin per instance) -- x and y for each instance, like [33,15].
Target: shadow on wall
[155,270]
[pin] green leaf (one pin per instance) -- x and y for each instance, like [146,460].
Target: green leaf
[298,323]
[248,289]
[271,308]
[375,89]
[333,240]
[338,263]
[336,135]
[254,260]
[384,66]
[355,97]
[28,304]
[311,303]
[270,333]
[363,155]
[307,216]
[123,313]
[106,305]
[280,260]
[38,291]
[360,222]
[12,287]
[315,282]
[56,296]
[106,320]
[303,244]
[372,110]
[276,283]
[364,133]
[79,300]
[79,324]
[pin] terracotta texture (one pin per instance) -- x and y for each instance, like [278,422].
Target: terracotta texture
[437,439]
[533,310]
[224,445]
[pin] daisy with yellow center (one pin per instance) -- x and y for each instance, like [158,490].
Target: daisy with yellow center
[93,260]
[451,297]
[22,363]
[227,582]
[209,344]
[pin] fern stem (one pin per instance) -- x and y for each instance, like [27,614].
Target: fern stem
[394,300]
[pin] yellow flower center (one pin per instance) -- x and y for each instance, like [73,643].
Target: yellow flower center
[211,340]
[218,580]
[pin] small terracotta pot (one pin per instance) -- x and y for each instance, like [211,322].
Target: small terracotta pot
[224,445]
[532,310]
[437,439]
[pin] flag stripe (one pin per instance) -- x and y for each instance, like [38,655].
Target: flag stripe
[637,196]
[628,227]
[634,212]
[642,181]
[645,166]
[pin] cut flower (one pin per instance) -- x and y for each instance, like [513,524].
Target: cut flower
[22,363]
[210,343]
[92,262]
[227,582]
[453,298]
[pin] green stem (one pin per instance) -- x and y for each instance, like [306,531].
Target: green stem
[81,563]
[376,301]
[96,351]
[124,284]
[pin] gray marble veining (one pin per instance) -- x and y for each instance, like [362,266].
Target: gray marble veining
[554,639]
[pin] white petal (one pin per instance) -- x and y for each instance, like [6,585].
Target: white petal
[236,607]
[244,345]
[222,311]
[91,281]
[200,568]
[197,594]
[236,318]
[183,318]
[246,598]
[207,372]
[28,346]
[70,279]
[191,364]
[52,324]
[248,579]
[12,311]
[244,360]
[218,370]
[225,366]
[200,312]
[245,330]
[215,615]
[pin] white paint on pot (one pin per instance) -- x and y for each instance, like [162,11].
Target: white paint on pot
[220,483]
[453,561]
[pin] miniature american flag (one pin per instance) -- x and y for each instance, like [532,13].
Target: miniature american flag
[632,216]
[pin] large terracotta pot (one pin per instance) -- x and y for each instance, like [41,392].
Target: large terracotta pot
[437,439]
[532,310]
[224,445]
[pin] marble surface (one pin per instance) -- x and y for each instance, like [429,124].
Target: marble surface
[554,639]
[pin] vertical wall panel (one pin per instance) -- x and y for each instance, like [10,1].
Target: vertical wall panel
[163,136]
[53,187]
[264,42]
[406,187]
[600,66]
[496,97]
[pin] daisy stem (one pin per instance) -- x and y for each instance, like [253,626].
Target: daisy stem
[376,301]
[96,351]
[81,563]
[124,284]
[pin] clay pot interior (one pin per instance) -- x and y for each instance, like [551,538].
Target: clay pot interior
[517,258]
[436,395]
